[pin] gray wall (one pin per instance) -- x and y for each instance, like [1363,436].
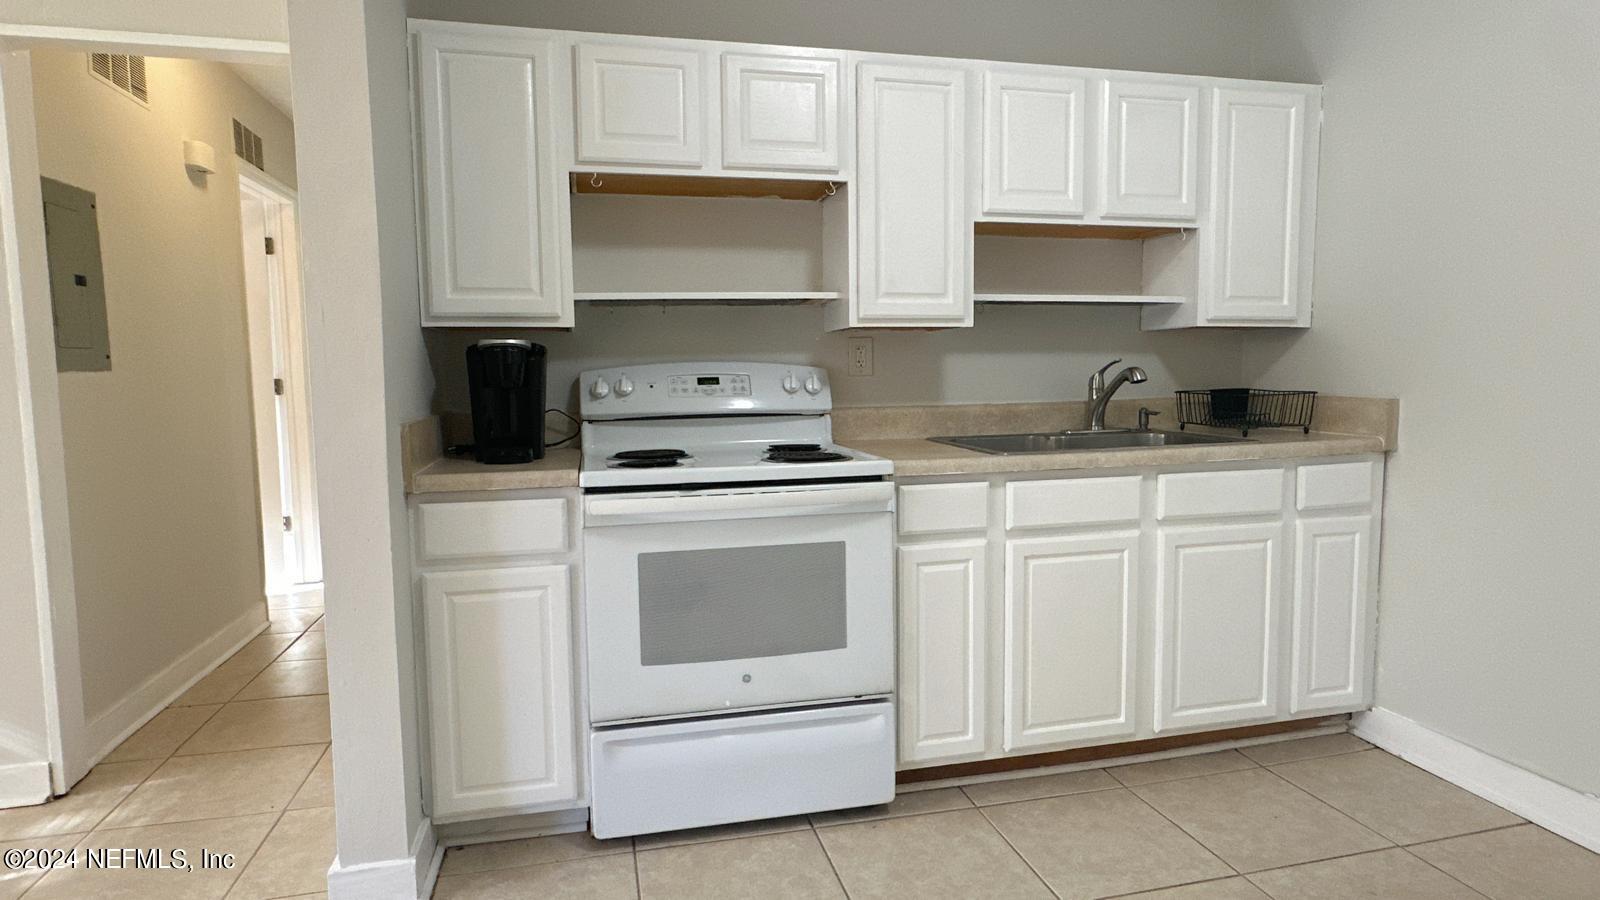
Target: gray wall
[160,450]
[1012,354]
[1457,269]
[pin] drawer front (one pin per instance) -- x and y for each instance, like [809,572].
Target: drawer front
[479,529]
[936,508]
[1335,485]
[1072,501]
[1244,493]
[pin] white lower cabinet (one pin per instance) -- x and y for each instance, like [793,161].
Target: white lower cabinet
[1132,604]
[942,650]
[1332,612]
[500,688]
[1218,601]
[1070,626]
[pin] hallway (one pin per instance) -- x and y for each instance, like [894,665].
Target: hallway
[239,764]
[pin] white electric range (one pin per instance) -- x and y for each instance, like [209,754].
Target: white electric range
[739,590]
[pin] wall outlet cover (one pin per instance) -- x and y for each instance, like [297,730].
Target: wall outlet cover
[860,356]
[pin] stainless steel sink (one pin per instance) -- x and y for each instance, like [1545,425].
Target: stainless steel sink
[1067,441]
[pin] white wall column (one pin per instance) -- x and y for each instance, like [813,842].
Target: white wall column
[369,372]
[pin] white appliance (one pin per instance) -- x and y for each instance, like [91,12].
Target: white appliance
[739,594]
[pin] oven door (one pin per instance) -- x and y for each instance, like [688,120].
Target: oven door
[738,598]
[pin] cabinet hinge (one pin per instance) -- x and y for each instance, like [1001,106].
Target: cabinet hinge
[277,386]
[271,247]
[288,523]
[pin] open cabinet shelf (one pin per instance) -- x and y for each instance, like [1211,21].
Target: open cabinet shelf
[1074,231]
[1088,299]
[700,186]
[704,296]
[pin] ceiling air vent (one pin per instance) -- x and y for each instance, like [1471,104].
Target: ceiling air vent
[123,72]
[247,146]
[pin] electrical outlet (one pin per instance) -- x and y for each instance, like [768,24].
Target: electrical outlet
[860,356]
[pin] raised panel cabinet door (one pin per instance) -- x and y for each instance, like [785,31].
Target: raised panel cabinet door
[1257,152]
[1151,144]
[1217,622]
[500,688]
[1332,606]
[489,188]
[1070,638]
[915,234]
[780,111]
[640,105]
[1033,143]
[942,659]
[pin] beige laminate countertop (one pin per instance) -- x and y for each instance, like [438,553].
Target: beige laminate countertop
[918,456]
[558,469]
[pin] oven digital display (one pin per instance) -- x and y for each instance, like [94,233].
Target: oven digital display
[712,386]
[708,379]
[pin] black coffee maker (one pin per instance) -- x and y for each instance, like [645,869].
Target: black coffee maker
[506,379]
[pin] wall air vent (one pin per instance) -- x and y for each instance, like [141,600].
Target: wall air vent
[123,72]
[247,146]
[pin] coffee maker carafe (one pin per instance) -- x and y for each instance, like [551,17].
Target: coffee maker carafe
[506,380]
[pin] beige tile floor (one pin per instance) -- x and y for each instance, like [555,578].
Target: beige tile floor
[239,764]
[1322,818]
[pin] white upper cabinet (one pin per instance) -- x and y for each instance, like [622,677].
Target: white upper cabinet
[490,220]
[1258,148]
[640,105]
[1150,148]
[1033,143]
[781,110]
[915,230]
[1070,629]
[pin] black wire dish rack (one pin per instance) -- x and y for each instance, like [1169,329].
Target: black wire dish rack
[1246,409]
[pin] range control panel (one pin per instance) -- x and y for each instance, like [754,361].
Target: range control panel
[708,386]
[703,389]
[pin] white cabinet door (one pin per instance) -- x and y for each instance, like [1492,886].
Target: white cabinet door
[1332,606]
[489,187]
[1217,621]
[1033,142]
[1070,638]
[915,230]
[1257,152]
[1151,142]
[781,111]
[640,105]
[500,688]
[942,659]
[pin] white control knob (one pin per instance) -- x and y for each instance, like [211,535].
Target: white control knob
[600,390]
[624,386]
[813,385]
[791,384]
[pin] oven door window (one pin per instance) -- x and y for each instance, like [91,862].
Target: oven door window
[700,606]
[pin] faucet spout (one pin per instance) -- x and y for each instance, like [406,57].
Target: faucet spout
[1101,391]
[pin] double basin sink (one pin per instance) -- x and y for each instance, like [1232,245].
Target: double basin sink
[1067,441]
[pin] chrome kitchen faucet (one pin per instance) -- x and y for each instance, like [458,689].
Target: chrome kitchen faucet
[1100,391]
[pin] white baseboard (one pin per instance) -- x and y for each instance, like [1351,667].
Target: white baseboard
[141,704]
[1558,808]
[24,783]
[389,879]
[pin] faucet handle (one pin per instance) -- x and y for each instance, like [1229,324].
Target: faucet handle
[1097,381]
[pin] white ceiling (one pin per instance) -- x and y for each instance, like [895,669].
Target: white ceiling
[271,82]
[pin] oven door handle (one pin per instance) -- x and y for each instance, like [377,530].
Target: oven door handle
[689,507]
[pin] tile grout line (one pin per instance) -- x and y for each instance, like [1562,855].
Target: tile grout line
[996,829]
[837,878]
[1429,863]
[1358,822]
[1202,844]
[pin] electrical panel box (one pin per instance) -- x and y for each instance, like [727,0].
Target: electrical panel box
[77,290]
